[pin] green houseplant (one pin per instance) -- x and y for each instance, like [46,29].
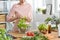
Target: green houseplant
[57,21]
[41,10]
[38,9]
[48,19]
[22,25]
[44,11]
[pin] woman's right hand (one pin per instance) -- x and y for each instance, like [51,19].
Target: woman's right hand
[19,16]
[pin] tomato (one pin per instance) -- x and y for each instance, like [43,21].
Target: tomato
[30,34]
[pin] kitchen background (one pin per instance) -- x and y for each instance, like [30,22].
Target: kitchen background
[5,6]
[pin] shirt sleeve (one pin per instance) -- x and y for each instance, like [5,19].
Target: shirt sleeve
[11,14]
[30,13]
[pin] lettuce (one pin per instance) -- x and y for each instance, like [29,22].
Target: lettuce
[3,35]
[42,27]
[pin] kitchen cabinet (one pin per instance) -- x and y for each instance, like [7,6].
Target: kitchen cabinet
[2,20]
[2,17]
[5,5]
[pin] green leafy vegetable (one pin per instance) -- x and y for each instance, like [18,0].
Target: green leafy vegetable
[3,35]
[48,19]
[40,37]
[42,27]
[37,36]
[36,33]
[22,23]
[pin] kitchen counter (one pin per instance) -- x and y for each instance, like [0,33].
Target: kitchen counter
[16,35]
[51,36]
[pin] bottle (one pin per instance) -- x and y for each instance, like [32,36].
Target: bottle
[49,27]
[59,30]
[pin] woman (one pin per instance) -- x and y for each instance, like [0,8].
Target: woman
[20,10]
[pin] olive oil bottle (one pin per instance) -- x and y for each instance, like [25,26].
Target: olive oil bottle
[49,27]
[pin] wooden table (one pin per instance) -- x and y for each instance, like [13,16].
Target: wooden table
[51,36]
[16,35]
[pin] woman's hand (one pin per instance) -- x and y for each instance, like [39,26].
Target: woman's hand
[12,19]
[27,19]
[18,16]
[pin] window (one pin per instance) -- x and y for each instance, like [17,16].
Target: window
[56,7]
[58,4]
[39,4]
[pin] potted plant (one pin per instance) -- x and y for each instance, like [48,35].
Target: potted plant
[38,9]
[57,22]
[56,19]
[41,10]
[22,25]
[44,11]
[48,19]
[43,28]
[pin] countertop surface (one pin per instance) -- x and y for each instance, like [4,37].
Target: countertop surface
[51,36]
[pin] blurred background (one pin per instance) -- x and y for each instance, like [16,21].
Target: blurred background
[51,7]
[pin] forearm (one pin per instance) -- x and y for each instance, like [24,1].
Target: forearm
[11,19]
[28,19]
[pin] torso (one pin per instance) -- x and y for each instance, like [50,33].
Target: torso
[20,10]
